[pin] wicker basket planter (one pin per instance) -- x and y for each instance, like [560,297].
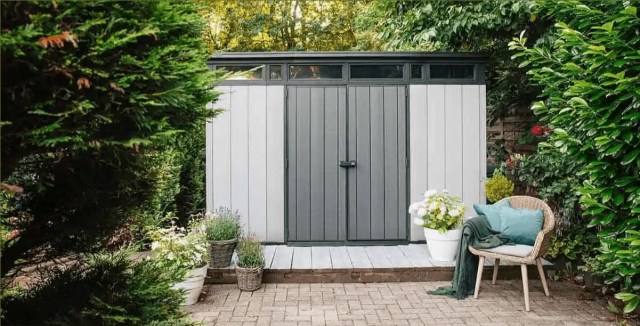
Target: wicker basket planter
[249,279]
[221,253]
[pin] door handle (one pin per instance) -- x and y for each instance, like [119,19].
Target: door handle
[347,164]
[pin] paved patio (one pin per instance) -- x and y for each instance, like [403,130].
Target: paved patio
[395,304]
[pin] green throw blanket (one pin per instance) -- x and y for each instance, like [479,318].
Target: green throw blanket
[476,233]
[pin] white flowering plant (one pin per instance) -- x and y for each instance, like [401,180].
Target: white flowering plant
[178,248]
[439,211]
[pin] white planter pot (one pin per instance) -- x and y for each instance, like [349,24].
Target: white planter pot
[443,246]
[193,284]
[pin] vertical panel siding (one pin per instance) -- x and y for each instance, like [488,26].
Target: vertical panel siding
[292,129]
[483,141]
[363,157]
[454,154]
[331,171]
[402,164]
[436,137]
[209,158]
[302,162]
[316,163]
[275,164]
[240,158]
[245,158]
[471,146]
[376,134]
[418,149]
[448,145]
[257,154]
[220,164]
[391,186]
[342,156]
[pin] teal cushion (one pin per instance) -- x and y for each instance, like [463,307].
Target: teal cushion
[521,225]
[492,213]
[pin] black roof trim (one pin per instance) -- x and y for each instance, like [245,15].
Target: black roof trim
[348,56]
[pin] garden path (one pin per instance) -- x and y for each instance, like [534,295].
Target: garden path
[404,303]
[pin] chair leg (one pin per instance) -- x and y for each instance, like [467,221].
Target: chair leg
[525,285]
[479,277]
[542,277]
[496,264]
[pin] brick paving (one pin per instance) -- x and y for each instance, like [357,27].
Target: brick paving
[395,304]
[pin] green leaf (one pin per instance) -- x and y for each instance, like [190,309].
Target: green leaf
[631,305]
[631,11]
[614,149]
[630,157]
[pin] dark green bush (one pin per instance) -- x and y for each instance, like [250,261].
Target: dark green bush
[250,253]
[591,100]
[109,289]
[223,224]
[90,90]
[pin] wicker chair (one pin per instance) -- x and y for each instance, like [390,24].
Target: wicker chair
[520,253]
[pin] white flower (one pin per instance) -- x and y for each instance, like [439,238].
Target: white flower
[413,208]
[445,191]
[418,221]
[429,193]
[154,245]
[454,213]
[443,208]
[421,212]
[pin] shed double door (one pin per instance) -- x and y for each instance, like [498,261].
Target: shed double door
[346,163]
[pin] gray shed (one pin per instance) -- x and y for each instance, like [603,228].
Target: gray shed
[331,147]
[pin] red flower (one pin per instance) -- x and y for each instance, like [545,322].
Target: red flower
[510,162]
[537,130]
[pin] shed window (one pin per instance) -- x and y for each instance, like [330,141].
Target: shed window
[376,71]
[416,71]
[451,71]
[244,72]
[315,71]
[275,72]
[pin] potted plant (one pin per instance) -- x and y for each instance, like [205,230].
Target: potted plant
[441,217]
[185,253]
[250,264]
[221,229]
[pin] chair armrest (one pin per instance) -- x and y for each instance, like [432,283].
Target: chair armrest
[542,243]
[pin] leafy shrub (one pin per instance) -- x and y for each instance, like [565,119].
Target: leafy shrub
[554,177]
[177,249]
[223,224]
[84,95]
[498,187]
[441,212]
[250,253]
[109,289]
[589,75]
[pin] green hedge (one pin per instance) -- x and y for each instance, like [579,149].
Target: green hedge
[591,99]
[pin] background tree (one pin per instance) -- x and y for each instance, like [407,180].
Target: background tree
[281,25]
[89,89]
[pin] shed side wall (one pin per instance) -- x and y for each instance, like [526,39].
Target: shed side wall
[447,143]
[245,158]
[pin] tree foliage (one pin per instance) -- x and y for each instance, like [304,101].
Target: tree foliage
[88,89]
[467,26]
[590,96]
[281,25]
